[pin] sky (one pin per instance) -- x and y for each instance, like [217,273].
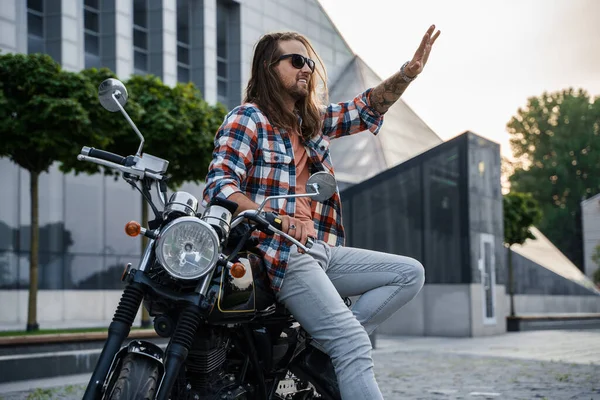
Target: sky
[490,58]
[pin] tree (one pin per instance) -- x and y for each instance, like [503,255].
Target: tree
[555,140]
[521,211]
[177,124]
[113,127]
[45,116]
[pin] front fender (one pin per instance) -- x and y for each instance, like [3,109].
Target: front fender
[142,347]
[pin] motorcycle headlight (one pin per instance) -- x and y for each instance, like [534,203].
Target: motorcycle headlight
[188,248]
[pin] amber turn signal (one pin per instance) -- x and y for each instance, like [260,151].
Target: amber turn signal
[238,270]
[133,228]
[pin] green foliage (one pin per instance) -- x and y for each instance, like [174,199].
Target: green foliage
[110,126]
[556,141]
[45,111]
[521,211]
[177,124]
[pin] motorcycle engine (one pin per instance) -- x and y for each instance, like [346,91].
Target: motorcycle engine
[205,371]
[205,358]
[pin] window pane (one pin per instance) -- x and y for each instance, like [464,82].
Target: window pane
[37,5]
[92,61]
[183,19]
[183,74]
[82,194]
[92,3]
[92,45]
[122,204]
[222,20]
[88,278]
[35,44]
[51,270]
[35,25]
[183,55]
[9,276]
[140,39]
[222,88]
[140,61]
[91,21]
[222,69]
[140,13]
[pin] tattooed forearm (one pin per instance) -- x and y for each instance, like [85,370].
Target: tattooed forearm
[387,92]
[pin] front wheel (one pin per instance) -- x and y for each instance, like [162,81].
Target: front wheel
[137,379]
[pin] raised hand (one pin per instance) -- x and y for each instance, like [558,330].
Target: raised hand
[387,92]
[416,65]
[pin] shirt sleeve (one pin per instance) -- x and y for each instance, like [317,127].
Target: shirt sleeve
[352,117]
[233,155]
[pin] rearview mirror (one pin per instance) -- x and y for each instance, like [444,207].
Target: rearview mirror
[113,97]
[105,94]
[322,183]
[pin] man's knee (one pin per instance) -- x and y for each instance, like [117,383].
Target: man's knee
[411,273]
[418,273]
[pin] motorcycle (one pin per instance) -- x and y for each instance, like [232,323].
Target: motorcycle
[202,281]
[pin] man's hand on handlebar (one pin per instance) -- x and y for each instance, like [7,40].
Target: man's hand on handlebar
[295,228]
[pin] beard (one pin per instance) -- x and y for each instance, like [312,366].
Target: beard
[295,90]
[298,92]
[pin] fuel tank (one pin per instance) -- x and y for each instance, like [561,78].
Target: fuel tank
[240,299]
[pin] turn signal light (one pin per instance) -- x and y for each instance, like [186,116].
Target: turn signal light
[133,228]
[238,270]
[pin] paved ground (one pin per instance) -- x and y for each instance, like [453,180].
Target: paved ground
[524,365]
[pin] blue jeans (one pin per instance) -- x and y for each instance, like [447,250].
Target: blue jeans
[313,288]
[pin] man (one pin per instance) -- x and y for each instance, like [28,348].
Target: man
[269,146]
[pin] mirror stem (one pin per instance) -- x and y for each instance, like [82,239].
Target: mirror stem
[115,96]
[292,196]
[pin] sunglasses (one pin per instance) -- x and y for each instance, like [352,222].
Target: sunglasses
[298,61]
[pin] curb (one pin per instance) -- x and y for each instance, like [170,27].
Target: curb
[9,341]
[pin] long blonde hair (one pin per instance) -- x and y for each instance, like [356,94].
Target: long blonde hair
[265,88]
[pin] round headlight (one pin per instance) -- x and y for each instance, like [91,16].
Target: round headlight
[188,248]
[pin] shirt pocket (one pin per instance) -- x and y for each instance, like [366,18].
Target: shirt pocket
[273,157]
[275,174]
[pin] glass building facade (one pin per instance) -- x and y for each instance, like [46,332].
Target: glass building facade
[417,209]
[83,247]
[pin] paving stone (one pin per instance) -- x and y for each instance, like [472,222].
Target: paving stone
[515,366]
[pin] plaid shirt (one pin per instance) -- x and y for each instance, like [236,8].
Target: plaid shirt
[257,159]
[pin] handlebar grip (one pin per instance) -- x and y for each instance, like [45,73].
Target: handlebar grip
[273,219]
[310,242]
[103,155]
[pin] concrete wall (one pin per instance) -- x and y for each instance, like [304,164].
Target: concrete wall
[590,218]
[13,26]
[447,310]
[485,204]
[548,304]
[61,308]
[480,326]
[531,278]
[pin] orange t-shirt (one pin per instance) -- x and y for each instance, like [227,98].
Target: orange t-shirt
[303,204]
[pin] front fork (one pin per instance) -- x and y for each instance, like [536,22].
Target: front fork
[177,350]
[117,332]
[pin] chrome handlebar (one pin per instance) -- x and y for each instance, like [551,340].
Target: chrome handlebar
[129,170]
[248,214]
